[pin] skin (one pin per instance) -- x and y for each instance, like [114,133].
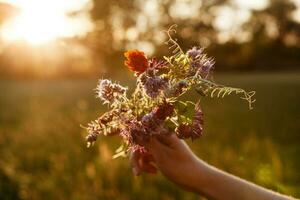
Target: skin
[179,164]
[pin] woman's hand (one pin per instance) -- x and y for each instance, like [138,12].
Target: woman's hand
[179,164]
[173,158]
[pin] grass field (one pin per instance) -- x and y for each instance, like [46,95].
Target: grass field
[44,155]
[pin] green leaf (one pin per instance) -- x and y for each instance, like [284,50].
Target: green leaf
[185,111]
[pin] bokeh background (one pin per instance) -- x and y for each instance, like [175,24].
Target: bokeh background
[52,52]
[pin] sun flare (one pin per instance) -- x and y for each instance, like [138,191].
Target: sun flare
[40,22]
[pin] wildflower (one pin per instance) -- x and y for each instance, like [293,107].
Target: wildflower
[153,125]
[199,62]
[153,84]
[133,132]
[136,61]
[151,122]
[164,110]
[193,130]
[195,52]
[110,92]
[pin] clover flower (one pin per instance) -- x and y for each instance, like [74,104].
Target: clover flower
[136,61]
[110,92]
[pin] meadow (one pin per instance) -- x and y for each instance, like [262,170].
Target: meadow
[44,154]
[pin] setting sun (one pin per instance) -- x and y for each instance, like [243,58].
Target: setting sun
[40,22]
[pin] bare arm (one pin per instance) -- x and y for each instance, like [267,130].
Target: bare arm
[178,163]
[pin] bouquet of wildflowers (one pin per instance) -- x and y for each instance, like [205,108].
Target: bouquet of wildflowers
[154,107]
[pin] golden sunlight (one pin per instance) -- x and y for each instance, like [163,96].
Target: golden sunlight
[40,22]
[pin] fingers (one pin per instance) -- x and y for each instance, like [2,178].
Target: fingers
[136,170]
[170,140]
[142,162]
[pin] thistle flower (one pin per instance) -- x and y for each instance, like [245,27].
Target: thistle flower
[110,92]
[153,84]
[136,61]
[193,130]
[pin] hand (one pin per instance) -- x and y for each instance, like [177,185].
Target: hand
[173,158]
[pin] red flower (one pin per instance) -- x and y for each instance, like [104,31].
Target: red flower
[163,111]
[136,61]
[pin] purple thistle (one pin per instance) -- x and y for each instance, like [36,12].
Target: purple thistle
[110,92]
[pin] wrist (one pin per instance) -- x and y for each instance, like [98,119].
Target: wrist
[197,176]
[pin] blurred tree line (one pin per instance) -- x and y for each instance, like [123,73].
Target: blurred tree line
[268,40]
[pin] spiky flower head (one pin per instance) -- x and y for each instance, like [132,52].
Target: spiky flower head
[110,92]
[136,61]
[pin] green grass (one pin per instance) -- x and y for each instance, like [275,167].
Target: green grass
[44,155]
